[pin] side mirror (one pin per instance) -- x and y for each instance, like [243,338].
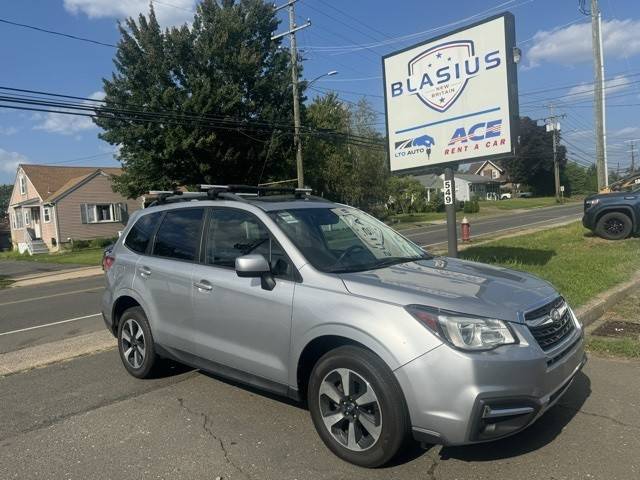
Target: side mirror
[255,266]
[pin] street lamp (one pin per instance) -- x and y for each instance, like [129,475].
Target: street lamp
[328,74]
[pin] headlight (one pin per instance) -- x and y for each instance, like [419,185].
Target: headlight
[462,331]
[592,202]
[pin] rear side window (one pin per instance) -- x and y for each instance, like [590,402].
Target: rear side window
[140,234]
[179,234]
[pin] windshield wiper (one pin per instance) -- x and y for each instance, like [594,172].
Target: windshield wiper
[389,261]
[385,262]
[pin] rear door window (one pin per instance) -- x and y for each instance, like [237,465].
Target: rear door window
[179,234]
[140,234]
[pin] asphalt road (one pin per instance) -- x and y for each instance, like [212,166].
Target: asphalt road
[437,234]
[48,312]
[88,419]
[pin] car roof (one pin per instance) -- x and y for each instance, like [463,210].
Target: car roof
[266,204]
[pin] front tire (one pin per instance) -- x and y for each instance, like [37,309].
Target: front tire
[614,226]
[357,406]
[135,343]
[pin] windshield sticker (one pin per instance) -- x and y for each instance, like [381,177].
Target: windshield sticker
[287,217]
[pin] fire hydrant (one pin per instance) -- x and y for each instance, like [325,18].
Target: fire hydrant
[465,228]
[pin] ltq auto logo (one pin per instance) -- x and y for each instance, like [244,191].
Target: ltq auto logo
[414,146]
[479,136]
[439,75]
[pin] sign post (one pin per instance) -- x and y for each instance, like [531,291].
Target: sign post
[453,99]
[450,208]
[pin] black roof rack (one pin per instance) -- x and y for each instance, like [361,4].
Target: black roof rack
[239,193]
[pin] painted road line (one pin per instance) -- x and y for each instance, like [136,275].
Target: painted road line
[50,324]
[553,222]
[13,302]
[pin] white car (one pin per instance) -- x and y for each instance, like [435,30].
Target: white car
[505,196]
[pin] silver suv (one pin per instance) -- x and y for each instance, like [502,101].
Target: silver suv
[323,303]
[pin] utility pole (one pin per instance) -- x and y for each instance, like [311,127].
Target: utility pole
[293,28]
[633,157]
[598,92]
[553,125]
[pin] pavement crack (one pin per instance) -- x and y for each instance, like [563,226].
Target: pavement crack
[206,426]
[598,415]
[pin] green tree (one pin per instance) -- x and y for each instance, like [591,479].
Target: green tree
[227,85]
[337,165]
[406,194]
[5,196]
[533,162]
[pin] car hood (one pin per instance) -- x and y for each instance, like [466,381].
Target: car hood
[455,285]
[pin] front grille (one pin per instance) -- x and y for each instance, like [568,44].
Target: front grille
[548,332]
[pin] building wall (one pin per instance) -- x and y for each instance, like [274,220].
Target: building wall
[95,191]
[17,236]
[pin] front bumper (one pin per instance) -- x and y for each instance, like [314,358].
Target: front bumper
[457,398]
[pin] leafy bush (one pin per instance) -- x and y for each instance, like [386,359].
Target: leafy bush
[94,243]
[472,206]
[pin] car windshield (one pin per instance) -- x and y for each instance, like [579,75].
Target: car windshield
[345,239]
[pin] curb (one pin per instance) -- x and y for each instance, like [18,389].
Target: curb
[597,307]
[54,352]
[56,277]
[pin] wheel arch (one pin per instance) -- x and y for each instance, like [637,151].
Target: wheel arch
[122,303]
[317,346]
[625,209]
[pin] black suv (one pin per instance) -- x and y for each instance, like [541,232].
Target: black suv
[613,216]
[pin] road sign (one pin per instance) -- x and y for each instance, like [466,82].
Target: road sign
[453,99]
[448,193]
[562,188]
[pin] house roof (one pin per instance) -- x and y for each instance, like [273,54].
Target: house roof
[51,181]
[429,180]
[481,166]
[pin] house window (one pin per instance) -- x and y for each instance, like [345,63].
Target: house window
[46,214]
[495,174]
[23,185]
[27,216]
[101,212]
[18,219]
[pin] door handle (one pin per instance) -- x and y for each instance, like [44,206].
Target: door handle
[203,286]
[145,272]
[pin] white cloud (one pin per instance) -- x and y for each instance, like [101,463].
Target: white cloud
[584,91]
[173,12]
[9,161]
[66,124]
[572,45]
[7,131]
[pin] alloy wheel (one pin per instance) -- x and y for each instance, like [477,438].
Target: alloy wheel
[133,343]
[350,409]
[614,226]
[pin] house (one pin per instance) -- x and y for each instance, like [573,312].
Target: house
[432,183]
[467,186]
[482,187]
[51,206]
[488,169]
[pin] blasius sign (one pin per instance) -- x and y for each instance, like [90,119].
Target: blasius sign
[453,99]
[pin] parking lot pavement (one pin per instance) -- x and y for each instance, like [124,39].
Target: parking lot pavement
[88,419]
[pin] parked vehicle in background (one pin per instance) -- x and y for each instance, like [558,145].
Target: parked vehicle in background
[525,195]
[321,302]
[614,215]
[505,196]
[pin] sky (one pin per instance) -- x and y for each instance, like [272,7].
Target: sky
[347,36]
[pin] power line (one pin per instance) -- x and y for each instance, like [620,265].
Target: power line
[60,34]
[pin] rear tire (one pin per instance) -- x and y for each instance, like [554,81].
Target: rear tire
[614,226]
[135,343]
[365,423]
